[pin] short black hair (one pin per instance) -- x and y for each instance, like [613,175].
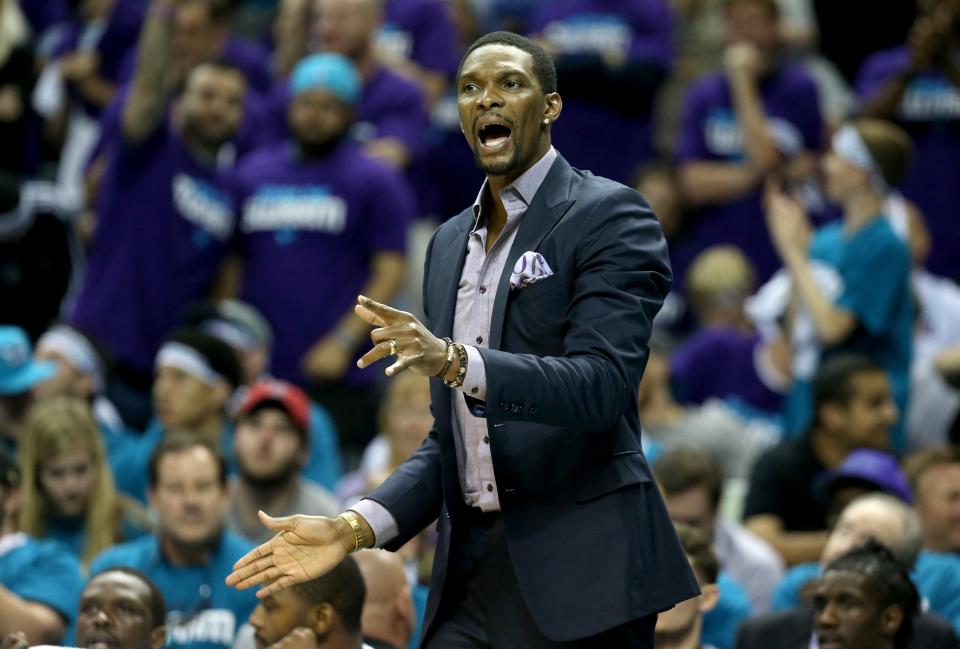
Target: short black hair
[833,382]
[158,606]
[684,468]
[889,577]
[177,443]
[218,354]
[543,67]
[342,588]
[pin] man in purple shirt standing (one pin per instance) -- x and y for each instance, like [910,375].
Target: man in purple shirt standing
[163,216]
[320,221]
[918,86]
[757,116]
[552,533]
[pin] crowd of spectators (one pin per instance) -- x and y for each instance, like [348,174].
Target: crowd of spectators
[194,192]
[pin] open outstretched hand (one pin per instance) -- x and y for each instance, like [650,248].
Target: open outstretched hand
[304,548]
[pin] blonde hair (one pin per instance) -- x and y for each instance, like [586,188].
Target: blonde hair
[60,425]
[720,276]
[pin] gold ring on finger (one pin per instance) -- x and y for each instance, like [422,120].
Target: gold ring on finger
[393,347]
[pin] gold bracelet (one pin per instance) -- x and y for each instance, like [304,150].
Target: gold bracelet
[462,372]
[449,361]
[353,521]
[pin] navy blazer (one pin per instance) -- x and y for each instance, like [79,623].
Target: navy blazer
[591,541]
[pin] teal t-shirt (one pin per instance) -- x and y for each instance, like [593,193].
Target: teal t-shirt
[873,265]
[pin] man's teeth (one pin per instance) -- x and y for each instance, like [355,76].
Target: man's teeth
[496,141]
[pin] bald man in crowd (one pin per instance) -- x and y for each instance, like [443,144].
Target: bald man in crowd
[388,618]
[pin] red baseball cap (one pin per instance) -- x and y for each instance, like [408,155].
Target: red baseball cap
[285,395]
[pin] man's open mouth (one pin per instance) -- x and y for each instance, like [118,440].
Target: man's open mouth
[494,136]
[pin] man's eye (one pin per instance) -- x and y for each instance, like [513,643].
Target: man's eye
[512,84]
[468,87]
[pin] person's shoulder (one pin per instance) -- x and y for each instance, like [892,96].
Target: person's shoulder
[38,551]
[889,59]
[134,553]
[796,76]
[388,86]
[938,565]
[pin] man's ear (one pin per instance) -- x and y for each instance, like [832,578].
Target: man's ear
[554,105]
[320,618]
[890,620]
[832,416]
[709,597]
[158,637]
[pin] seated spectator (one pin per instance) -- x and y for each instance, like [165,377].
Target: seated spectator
[192,553]
[890,521]
[36,260]
[388,619]
[39,580]
[68,493]
[934,476]
[851,278]
[611,59]
[681,626]
[692,490]
[916,85]
[164,165]
[195,376]
[120,607]
[713,427]
[853,406]
[270,442]
[864,599]
[325,212]
[391,112]
[758,115]
[726,357]
[244,328]
[404,421]
[19,375]
[81,373]
[323,612]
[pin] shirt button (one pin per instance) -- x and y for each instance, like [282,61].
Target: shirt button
[486,439]
[489,487]
[479,340]
[474,390]
[483,289]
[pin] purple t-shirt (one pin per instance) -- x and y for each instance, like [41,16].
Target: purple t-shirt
[592,132]
[163,222]
[420,31]
[718,362]
[308,231]
[710,131]
[930,113]
[390,106]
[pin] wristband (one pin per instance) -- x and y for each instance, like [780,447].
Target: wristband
[354,523]
[462,372]
[449,361]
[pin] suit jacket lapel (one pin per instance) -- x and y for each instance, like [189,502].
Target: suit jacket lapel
[452,256]
[549,204]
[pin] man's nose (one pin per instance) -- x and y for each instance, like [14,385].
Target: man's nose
[490,98]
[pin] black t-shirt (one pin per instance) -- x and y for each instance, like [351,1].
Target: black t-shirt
[782,484]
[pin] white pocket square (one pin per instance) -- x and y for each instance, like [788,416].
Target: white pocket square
[530,268]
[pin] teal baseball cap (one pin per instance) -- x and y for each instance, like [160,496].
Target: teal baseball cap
[19,372]
[326,71]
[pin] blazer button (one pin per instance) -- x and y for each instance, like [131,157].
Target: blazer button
[503,405]
[515,408]
[532,410]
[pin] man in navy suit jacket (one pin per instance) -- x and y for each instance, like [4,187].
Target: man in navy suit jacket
[551,530]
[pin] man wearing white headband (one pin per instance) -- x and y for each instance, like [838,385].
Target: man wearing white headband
[872,313]
[195,376]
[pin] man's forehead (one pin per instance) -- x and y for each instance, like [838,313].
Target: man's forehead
[117,584]
[497,57]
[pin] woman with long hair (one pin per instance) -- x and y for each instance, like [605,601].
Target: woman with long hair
[68,492]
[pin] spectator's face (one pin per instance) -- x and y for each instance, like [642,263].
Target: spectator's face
[843,179]
[269,447]
[848,613]
[344,26]
[752,23]
[938,506]
[865,420]
[676,626]
[693,508]
[181,400]
[859,523]
[276,616]
[502,109]
[66,382]
[409,421]
[318,117]
[195,38]
[115,613]
[211,107]
[68,480]
[189,499]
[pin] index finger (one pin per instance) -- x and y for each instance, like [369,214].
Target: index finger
[388,314]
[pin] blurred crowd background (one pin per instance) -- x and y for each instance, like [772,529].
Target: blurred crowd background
[194,192]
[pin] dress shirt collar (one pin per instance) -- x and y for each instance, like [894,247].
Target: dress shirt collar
[523,188]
